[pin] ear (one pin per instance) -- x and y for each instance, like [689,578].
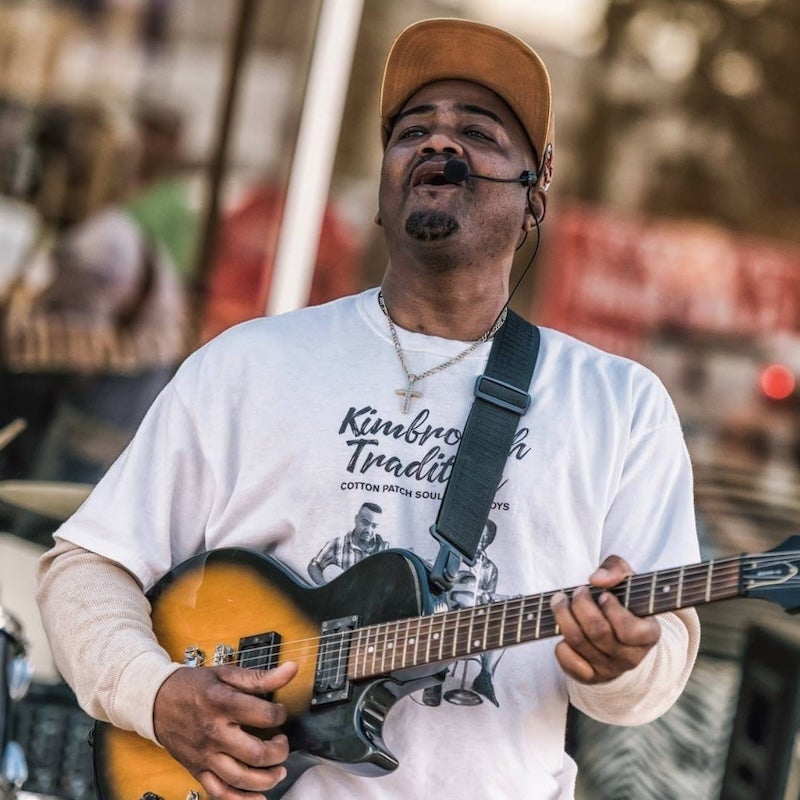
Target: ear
[377,218]
[535,209]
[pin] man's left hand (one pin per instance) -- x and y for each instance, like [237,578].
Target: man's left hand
[601,639]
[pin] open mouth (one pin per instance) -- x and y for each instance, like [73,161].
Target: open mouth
[430,174]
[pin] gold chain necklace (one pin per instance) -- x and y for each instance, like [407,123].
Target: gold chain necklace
[410,393]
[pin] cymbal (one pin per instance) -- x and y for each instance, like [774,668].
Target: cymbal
[50,498]
[11,431]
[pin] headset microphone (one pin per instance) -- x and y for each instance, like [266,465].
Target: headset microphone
[457,171]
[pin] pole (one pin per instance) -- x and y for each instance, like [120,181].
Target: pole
[309,181]
[208,239]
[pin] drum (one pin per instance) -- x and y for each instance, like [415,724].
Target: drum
[15,678]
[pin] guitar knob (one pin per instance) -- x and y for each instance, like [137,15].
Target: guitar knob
[193,656]
[193,795]
[224,654]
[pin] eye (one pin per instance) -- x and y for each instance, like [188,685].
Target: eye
[477,133]
[411,133]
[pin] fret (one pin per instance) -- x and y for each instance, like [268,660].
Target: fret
[519,621]
[441,636]
[388,645]
[469,630]
[486,613]
[356,653]
[365,652]
[628,591]
[416,641]
[539,617]
[429,640]
[501,640]
[708,579]
[680,587]
[376,647]
[455,632]
[405,644]
[665,591]
[652,593]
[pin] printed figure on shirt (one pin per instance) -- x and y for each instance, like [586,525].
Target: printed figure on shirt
[344,551]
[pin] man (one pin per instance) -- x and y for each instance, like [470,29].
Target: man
[276,411]
[344,551]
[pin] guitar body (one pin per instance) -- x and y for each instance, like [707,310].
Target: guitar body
[363,641]
[225,596]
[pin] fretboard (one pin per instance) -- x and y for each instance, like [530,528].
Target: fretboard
[450,635]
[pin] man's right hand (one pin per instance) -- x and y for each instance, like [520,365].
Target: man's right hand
[199,715]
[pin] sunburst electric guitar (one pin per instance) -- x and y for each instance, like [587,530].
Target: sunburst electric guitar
[374,634]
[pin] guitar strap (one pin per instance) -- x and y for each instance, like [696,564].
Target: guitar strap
[501,398]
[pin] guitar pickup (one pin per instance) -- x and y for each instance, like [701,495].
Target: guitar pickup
[260,652]
[330,679]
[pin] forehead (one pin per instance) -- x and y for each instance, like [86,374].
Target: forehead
[464,95]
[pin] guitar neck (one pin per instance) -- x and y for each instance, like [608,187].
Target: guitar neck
[448,636]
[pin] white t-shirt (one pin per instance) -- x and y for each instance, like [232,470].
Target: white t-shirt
[273,436]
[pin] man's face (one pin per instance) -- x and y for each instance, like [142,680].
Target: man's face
[366,523]
[458,119]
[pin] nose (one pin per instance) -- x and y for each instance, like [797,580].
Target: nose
[441,141]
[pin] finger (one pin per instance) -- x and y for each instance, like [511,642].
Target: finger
[218,789]
[244,709]
[258,681]
[252,751]
[241,776]
[629,629]
[612,571]
[570,628]
[595,627]
[573,664]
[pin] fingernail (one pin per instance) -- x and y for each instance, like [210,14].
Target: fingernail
[557,599]
[601,572]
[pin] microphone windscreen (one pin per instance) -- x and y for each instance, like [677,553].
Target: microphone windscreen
[456,171]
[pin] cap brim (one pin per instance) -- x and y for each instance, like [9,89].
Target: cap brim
[456,49]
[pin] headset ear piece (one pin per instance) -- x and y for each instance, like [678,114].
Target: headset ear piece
[527,177]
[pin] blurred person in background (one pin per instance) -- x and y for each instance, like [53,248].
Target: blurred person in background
[264,435]
[96,323]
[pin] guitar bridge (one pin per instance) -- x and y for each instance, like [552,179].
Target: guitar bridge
[330,680]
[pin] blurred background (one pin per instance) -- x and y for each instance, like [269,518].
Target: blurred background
[169,168]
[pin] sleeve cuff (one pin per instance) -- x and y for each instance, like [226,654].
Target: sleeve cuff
[646,692]
[132,707]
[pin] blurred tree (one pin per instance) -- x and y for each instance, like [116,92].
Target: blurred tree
[696,113]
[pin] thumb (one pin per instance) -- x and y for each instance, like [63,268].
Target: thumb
[612,571]
[258,681]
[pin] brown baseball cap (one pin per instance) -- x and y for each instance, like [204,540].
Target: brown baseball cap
[446,49]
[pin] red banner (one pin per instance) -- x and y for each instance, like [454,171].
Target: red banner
[613,281]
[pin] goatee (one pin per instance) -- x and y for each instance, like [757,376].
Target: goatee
[430,226]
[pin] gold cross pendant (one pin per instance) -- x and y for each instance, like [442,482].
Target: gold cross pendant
[408,394]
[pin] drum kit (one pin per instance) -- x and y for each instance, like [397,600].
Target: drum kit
[57,501]
[16,673]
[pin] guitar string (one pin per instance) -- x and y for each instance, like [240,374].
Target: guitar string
[694,575]
[644,581]
[513,608]
[452,640]
[329,667]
